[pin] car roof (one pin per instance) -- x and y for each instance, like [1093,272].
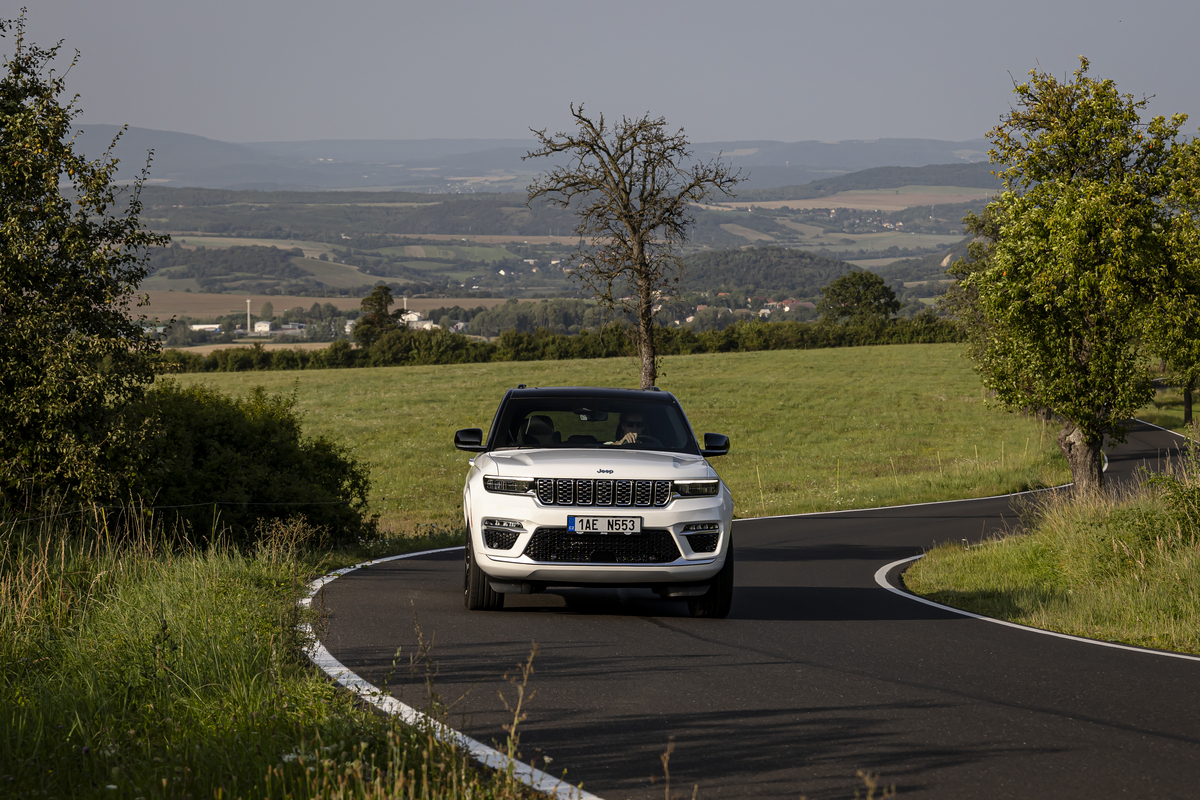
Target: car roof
[605,392]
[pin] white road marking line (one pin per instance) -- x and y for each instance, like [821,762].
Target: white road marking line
[488,756]
[881,579]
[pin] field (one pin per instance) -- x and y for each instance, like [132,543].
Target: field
[465,252]
[746,233]
[311,249]
[492,239]
[881,199]
[882,241]
[872,263]
[810,430]
[331,273]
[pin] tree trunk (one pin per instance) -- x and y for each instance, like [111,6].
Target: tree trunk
[1187,402]
[1084,457]
[645,332]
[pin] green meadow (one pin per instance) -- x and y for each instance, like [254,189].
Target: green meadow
[810,430]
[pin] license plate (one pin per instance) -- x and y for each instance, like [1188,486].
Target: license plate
[604,525]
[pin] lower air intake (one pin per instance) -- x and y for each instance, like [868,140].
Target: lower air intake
[557,545]
[497,539]
[704,542]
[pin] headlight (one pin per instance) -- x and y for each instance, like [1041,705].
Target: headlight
[701,527]
[508,485]
[708,488]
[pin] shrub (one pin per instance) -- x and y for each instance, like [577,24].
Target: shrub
[219,461]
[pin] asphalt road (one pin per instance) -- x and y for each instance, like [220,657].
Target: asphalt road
[817,673]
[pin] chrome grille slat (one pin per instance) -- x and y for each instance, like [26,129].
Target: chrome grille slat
[602,492]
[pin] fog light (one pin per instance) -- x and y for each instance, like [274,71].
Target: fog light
[511,524]
[696,527]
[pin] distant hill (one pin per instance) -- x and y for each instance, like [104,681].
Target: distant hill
[975,175]
[389,151]
[469,165]
[847,155]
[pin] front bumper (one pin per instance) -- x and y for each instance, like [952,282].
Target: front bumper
[514,564]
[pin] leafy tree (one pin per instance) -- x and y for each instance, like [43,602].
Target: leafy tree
[72,253]
[631,186]
[1068,287]
[267,311]
[376,319]
[1175,336]
[860,297]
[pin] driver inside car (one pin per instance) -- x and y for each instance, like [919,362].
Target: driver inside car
[631,426]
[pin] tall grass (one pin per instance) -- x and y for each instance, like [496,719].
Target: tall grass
[1122,566]
[132,667]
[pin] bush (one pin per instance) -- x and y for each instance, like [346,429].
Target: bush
[219,461]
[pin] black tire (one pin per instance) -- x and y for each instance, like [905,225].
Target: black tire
[477,594]
[716,602]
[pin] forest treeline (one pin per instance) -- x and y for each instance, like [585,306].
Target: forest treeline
[772,271]
[405,347]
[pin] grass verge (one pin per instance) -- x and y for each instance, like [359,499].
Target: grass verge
[1166,411]
[1121,567]
[811,430]
[130,668]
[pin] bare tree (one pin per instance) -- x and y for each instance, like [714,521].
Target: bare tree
[632,185]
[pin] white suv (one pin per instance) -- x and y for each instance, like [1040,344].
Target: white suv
[595,487]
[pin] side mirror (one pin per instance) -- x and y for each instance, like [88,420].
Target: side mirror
[715,444]
[470,440]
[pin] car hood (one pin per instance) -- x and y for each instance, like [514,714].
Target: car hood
[592,463]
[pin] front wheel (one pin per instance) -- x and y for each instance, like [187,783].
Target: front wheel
[716,602]
[477,594]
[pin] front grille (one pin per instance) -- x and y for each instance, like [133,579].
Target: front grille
[704,542]
[497,539]
[590,492]
[558,545]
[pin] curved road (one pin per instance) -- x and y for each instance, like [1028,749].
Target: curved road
[817,673]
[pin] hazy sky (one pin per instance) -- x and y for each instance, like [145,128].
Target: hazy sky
[250,70]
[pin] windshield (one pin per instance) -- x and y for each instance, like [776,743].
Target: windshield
[588,422]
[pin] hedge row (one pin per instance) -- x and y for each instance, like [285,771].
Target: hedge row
[405,347]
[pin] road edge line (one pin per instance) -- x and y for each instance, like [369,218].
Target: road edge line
[490,757]
[881,579]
